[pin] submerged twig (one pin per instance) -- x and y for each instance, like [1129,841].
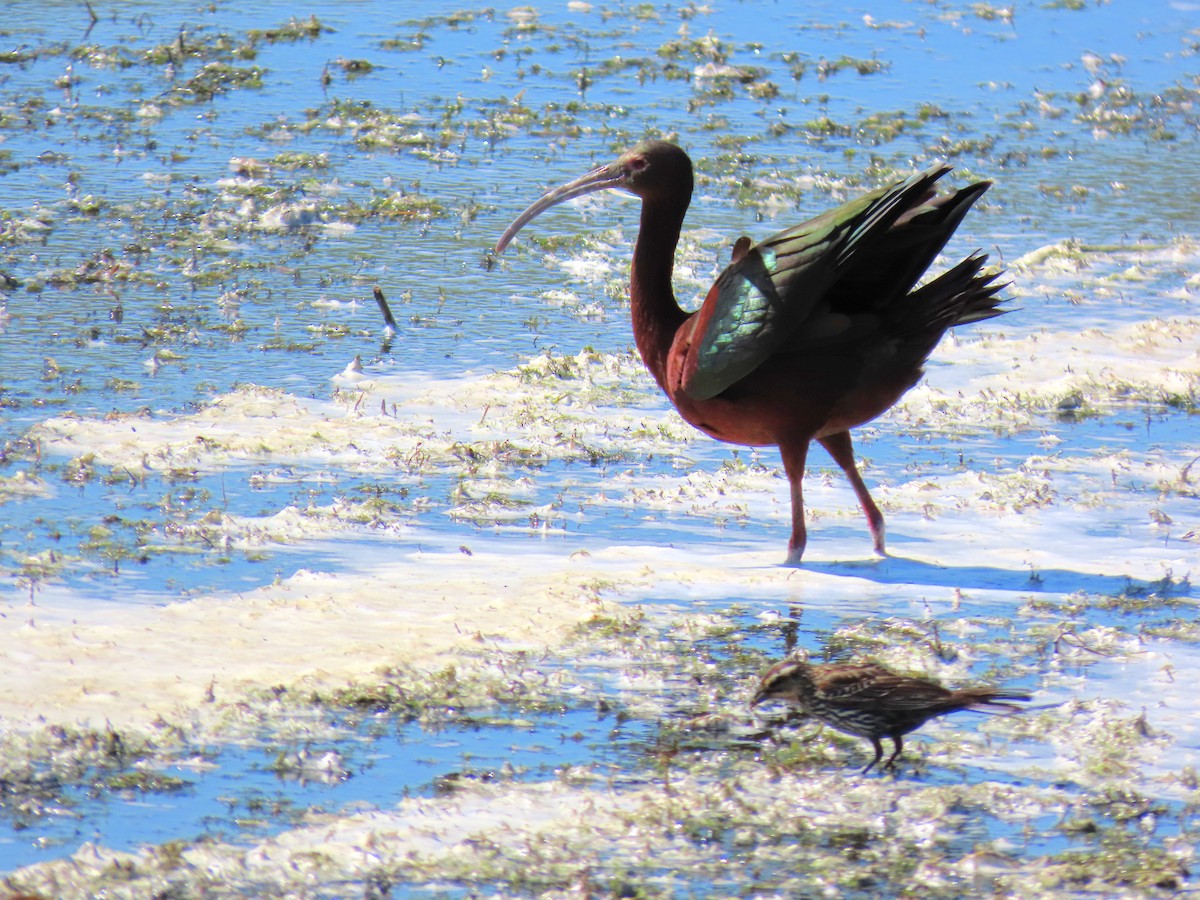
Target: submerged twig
[388,318]
[93,18]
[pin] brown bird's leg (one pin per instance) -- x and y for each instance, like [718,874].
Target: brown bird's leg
[891,763]
[794,456]
[878,756]
[839,447]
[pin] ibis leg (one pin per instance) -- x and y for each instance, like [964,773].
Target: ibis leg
[794,457]
[842,450]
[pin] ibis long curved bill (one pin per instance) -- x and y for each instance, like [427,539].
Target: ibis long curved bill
[602,178]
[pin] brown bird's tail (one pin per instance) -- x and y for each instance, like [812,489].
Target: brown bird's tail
[988,700]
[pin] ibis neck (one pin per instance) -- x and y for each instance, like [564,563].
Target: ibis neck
[656,314]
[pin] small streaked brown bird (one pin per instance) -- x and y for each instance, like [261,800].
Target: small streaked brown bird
[867,700]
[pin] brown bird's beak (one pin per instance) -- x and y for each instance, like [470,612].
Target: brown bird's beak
[599,179]
[759,697]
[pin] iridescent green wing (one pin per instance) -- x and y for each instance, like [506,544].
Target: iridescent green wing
[759,302]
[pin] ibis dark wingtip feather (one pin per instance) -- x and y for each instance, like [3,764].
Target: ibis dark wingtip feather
[814,331]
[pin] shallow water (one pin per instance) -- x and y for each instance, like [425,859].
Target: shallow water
[245,791]
[141,270]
